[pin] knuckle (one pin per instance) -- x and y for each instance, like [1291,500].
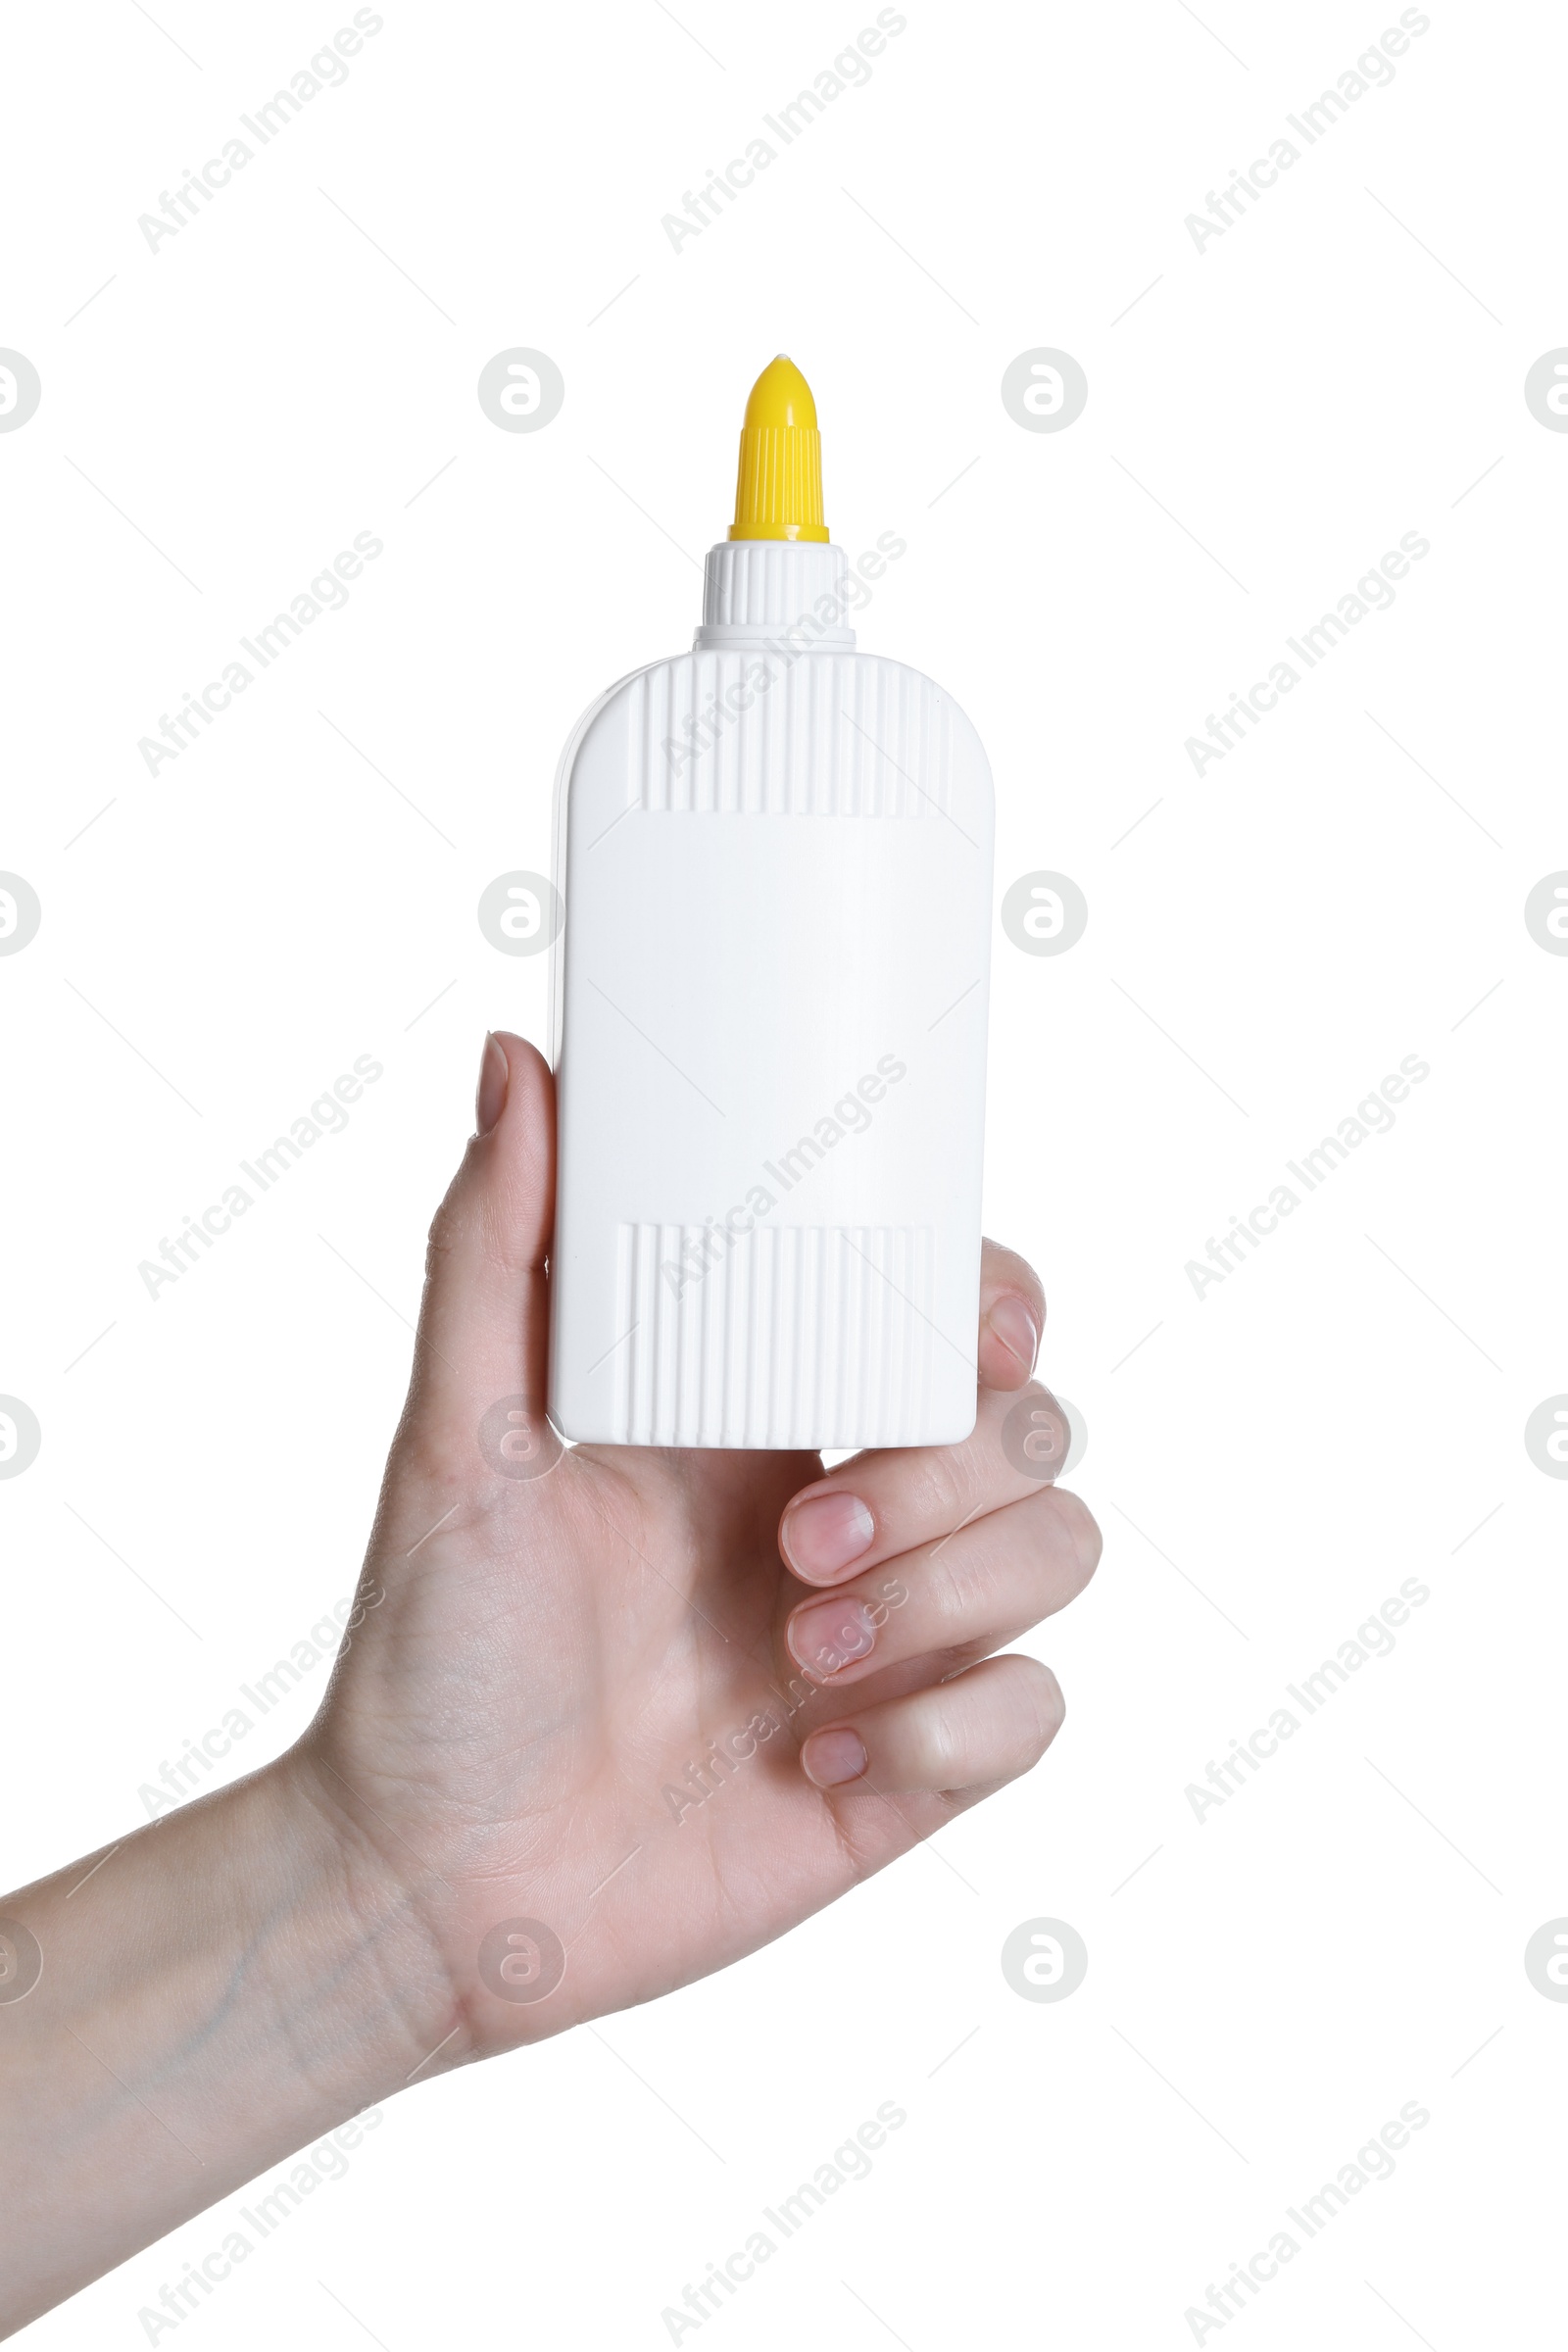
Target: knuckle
[1023,1713]
[1082,1530]
[442,1238]
[943,1488]
[941,1760]
[1041,1708]
[1005,1267]
[971,1591]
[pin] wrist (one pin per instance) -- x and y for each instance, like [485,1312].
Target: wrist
[217,1990]
[363,1920]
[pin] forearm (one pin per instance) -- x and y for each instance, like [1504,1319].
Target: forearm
[225,1988]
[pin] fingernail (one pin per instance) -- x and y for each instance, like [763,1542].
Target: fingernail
[825,1532]
[830,1635]
[490,1099]
[829,1758]
[1014,1326]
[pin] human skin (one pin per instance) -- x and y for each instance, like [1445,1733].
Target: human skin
[536,1665]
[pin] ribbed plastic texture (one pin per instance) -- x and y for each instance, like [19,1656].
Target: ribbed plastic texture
[770,584]
[773,1337]
[830,735]
[779,482]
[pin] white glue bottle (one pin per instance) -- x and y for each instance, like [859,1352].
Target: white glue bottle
[770,990]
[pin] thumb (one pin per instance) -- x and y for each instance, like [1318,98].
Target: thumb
[483,1336]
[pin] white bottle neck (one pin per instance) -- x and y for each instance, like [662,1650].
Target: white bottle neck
[758,589]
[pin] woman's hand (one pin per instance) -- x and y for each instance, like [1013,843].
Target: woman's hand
[661,1705]
[607,1719]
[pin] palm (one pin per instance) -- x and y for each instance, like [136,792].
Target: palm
[530,1723]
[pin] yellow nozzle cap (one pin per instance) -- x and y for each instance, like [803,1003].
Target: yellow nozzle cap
[778,493]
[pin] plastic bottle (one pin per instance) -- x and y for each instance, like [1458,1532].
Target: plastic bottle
[771,993]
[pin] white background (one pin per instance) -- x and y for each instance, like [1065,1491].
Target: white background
[1271,415]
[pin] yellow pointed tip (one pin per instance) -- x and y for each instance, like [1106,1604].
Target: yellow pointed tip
[781,395]
[778,490]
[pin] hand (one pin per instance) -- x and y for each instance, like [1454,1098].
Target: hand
[596,1731]
[664,1704]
